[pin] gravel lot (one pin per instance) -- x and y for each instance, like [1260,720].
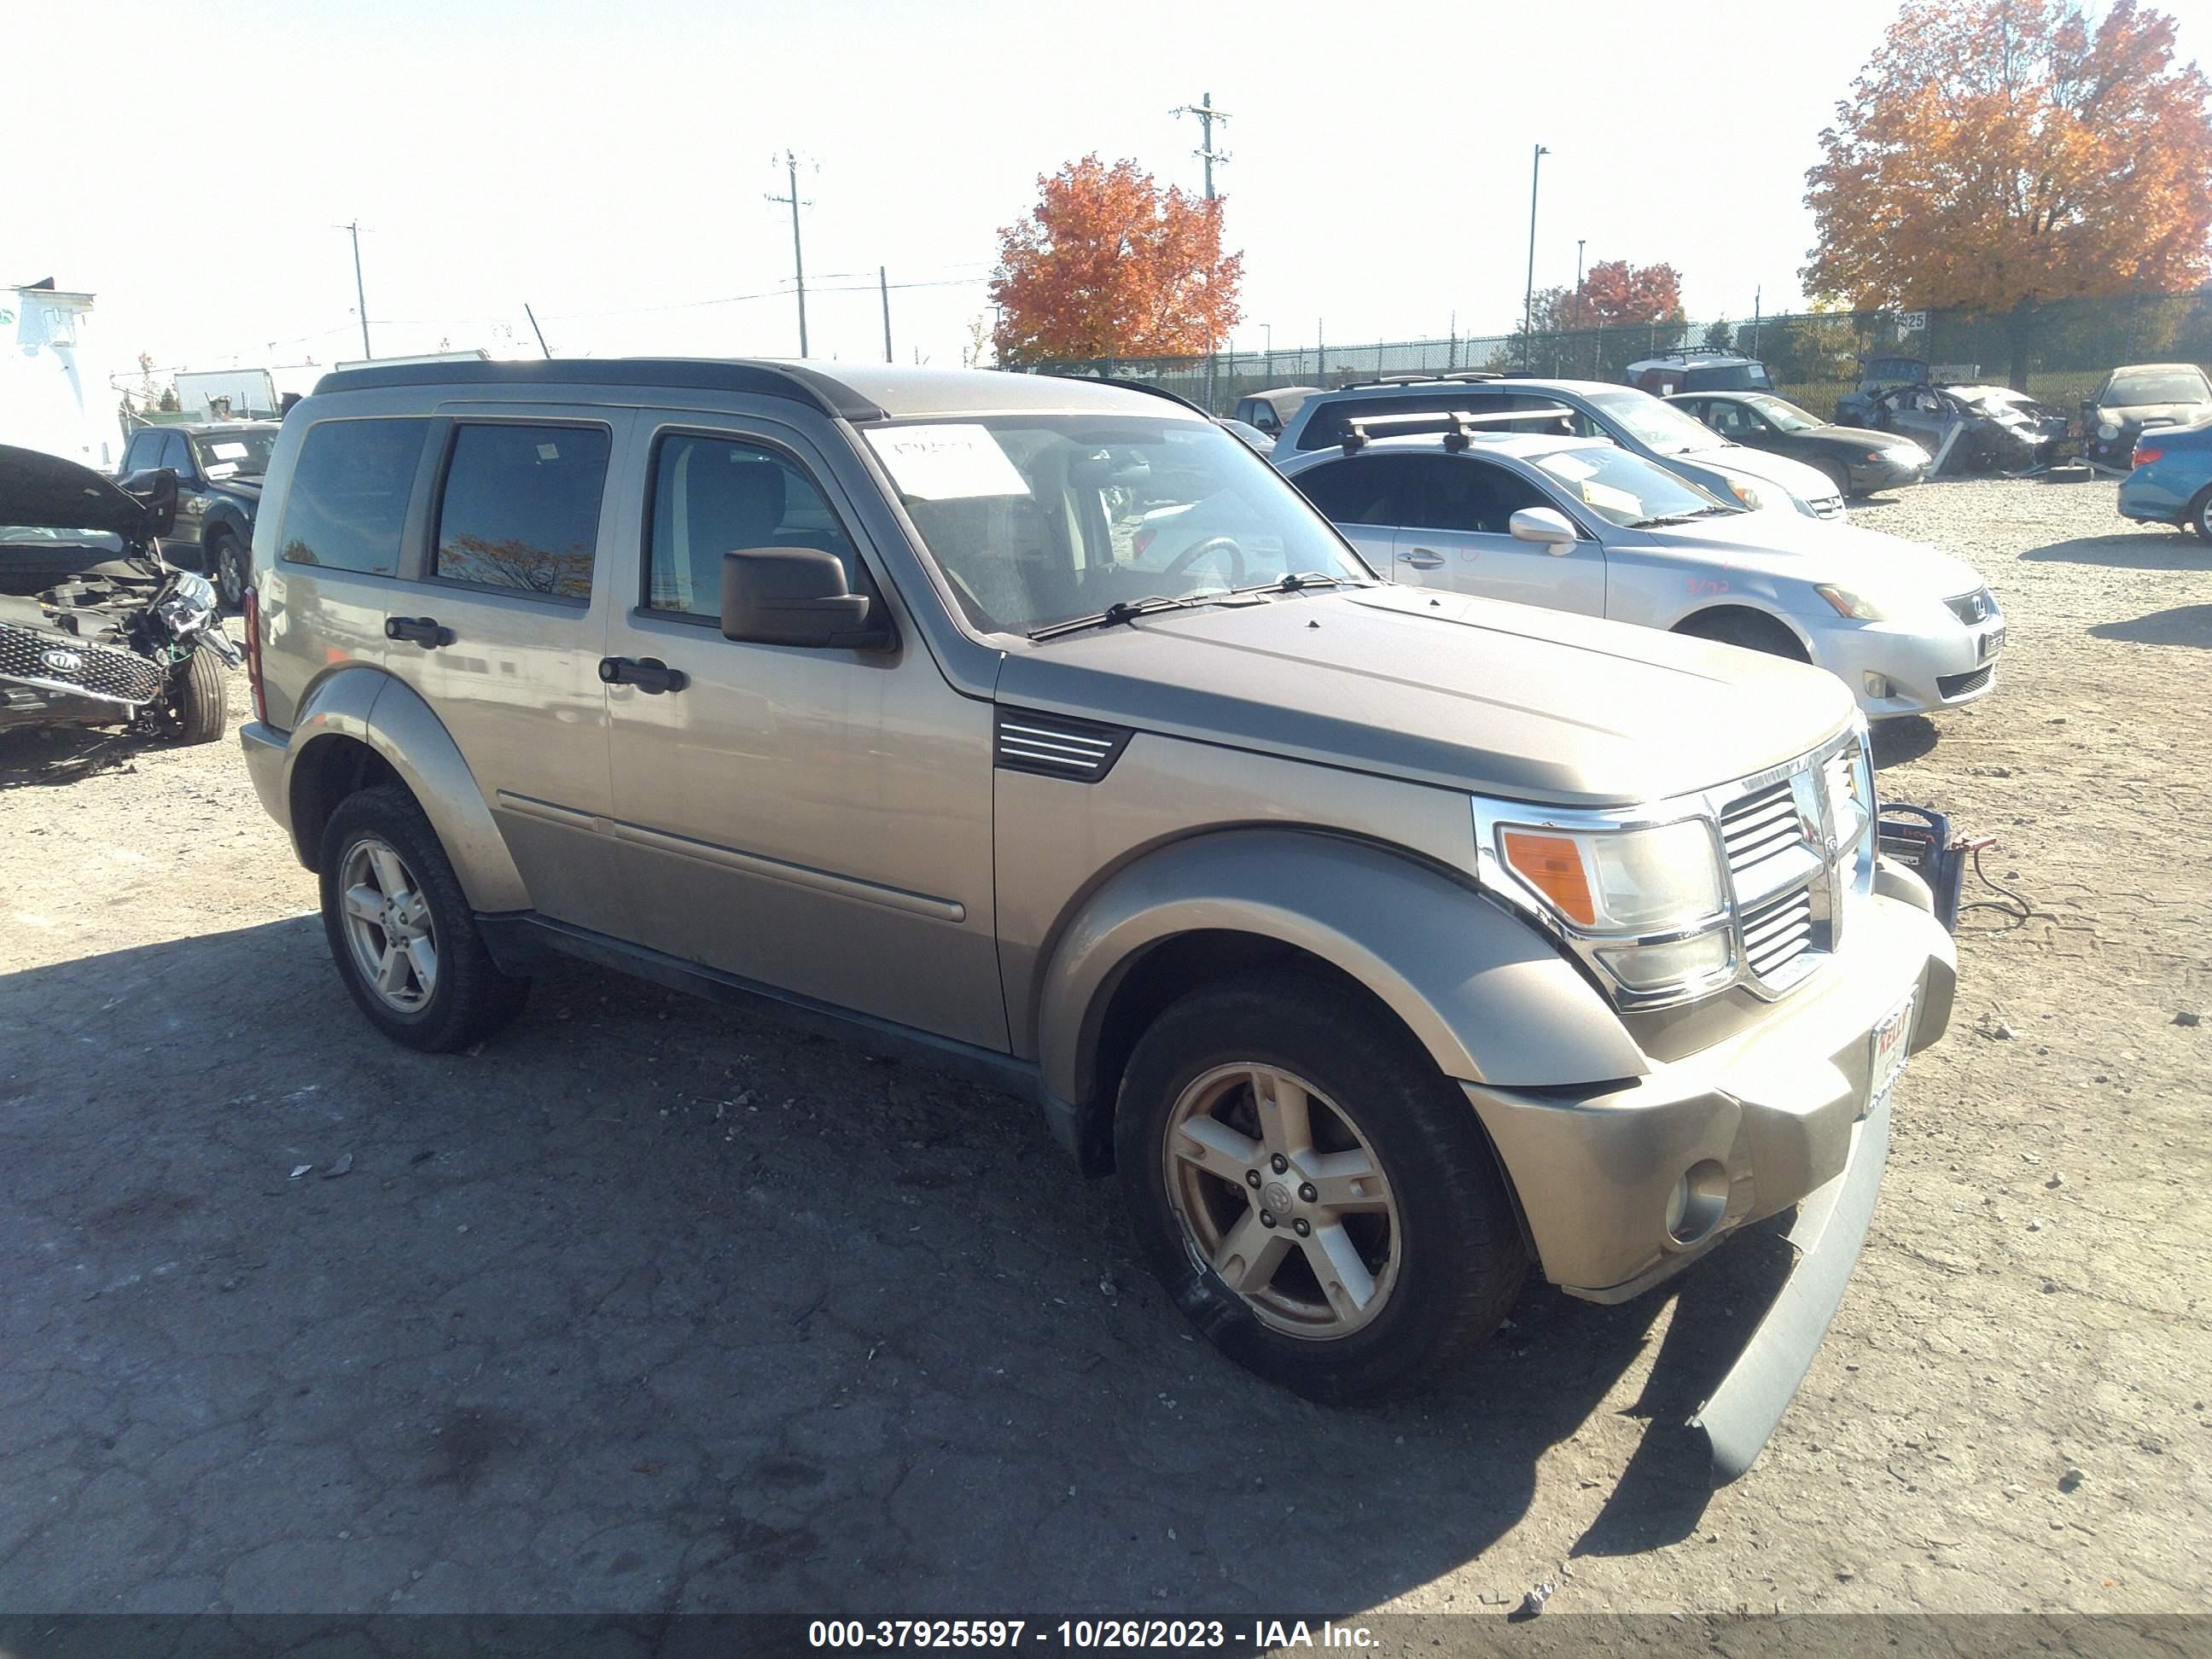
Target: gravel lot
[649,1307]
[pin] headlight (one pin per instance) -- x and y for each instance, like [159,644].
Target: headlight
[1848,603]
[1744,493]
[2108,431]
[1620,881]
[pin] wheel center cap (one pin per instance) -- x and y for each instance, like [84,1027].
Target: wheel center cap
[1277,1197]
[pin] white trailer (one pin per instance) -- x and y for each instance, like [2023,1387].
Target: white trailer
[54,392]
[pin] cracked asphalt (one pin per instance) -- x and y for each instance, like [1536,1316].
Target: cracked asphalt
[649,1306]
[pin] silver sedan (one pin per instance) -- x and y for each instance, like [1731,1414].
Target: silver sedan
[1577,525]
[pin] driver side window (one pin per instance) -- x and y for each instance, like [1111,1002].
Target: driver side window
[713,495]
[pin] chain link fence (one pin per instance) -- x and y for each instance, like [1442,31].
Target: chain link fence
[1814,358]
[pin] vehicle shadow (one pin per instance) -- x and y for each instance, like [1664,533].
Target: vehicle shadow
[1902,740]
[2185,625]
[809,1328]
[2129,550]
[47,756]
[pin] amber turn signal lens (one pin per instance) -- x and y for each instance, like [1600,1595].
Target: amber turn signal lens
[1553,865]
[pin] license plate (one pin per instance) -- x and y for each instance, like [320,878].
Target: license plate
[1992,643]
[1890,1041]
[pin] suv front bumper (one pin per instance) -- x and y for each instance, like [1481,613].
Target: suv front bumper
[1785,1109]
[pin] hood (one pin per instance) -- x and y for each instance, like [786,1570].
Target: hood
[2146,414]
[1825,551]
[1806,483]
[1471,693]
[49,493]
[1857,436]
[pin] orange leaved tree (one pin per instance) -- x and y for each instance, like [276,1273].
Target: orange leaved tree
[1109,265]
[1996,154]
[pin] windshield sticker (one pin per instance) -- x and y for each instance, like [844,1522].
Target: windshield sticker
[945,463]
[548,451]
[1567,466]
[231,451]
[1606,498]
[222,470]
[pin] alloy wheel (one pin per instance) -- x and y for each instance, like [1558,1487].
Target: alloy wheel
[1281,1195]
[388,925]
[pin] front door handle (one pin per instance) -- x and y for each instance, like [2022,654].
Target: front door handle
[424,631]
[648,674]
[1422,558]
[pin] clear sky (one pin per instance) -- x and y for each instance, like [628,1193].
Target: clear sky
[608,164]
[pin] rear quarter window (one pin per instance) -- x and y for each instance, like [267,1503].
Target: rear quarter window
[348,500]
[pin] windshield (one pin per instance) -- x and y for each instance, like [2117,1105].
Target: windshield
[233,454]
[1660,428]
[1036,519]
[1784,414]
[14,535]
[1627,488]
[2175,388]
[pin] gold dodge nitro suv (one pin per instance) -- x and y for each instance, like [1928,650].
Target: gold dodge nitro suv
[1379,940]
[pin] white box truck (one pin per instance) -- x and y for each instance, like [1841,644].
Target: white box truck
[55,393]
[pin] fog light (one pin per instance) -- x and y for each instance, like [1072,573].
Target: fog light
[1878,686]
[1650,967]
[1699,1201]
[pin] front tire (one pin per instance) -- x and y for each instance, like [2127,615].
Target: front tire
[1316,1196]
[228,567]
[401,931]
[199,700]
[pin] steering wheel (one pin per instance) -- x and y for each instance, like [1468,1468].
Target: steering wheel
[1190,555]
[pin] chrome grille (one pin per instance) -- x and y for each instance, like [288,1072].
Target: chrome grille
[1777,933]
[1056,747]
[1758,826]
[1827,507]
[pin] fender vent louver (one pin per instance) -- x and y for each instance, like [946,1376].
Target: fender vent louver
[1055,746]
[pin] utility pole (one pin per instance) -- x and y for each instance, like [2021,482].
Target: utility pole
[360,297]
[798,256]
[1528,292]
[884,287]
[1581,242]
[1207,115]
[1757,295]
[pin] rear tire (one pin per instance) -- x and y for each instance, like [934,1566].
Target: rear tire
[2200,515]
[1430,1233]
[401,930]
[1746,628]
[200,697]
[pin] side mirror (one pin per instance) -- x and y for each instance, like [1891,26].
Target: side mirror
[795,596]
[1545,526]
[155,489]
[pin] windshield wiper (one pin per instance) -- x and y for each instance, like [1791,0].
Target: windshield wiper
[1293,581]
[1124,611]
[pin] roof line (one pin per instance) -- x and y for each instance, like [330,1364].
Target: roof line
[795,381]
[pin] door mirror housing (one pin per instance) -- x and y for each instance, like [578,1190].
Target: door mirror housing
[1546,526]
[796,596]
[156,489]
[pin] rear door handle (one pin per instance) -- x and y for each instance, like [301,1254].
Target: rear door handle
[648,674]
[1422,558]
[424,631]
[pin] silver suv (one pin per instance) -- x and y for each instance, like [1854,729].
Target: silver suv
[1378,939]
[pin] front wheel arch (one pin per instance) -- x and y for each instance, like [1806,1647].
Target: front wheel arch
[1746,627]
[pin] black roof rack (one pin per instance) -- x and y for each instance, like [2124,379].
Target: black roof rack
[769,379]
[1697,351]
[1459,424]
[1132,385]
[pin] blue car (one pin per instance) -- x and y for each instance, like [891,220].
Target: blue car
[2172,483]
